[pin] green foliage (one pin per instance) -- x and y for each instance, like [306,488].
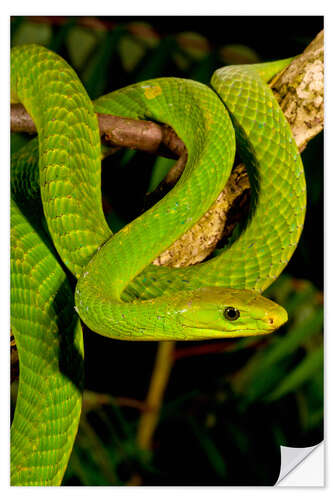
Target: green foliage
[225,412]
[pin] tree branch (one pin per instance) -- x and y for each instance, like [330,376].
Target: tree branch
[158,382]
[116,131]
[300,92]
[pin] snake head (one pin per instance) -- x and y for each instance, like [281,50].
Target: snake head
[223,313]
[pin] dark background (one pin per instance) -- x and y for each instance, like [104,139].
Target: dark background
[229,405]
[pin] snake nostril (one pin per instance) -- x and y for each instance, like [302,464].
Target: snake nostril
[270,321]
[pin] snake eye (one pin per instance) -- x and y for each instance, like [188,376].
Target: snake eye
[231,313]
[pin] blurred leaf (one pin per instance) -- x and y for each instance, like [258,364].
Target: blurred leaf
[193,44]
[131,51]
[15,23]
[171,407]
[134,45]
[315,419]
[310,400]
[160,169]
[262,383]
[81,468]
[302,300]
[127,156]
[203,70]
[144,33]
[280,289]
[241,439]
[97,71]
[238,54]
[192,48]
[17,141]
[31,32]
[94,450]
[182,60]
[311,364]
[295,337]
[80,43]
[61,35]
[209,448]
[115,222]
[265,368]
[316,389]
[125,428]
[156,60]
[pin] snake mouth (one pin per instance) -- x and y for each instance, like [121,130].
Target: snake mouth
[220,333]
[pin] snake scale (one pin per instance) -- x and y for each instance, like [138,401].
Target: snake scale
[58,232]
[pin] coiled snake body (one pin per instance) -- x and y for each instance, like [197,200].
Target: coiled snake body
[119,293]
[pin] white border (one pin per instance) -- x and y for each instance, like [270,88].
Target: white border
[141,7]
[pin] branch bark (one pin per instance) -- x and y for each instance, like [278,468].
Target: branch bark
[300,92]
[116,132]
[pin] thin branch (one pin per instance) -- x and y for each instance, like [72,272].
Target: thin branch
[92,400]
[116,131]
[158,382]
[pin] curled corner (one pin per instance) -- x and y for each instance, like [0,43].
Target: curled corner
[291,458]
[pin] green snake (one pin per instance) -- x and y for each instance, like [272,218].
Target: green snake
[59,233]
